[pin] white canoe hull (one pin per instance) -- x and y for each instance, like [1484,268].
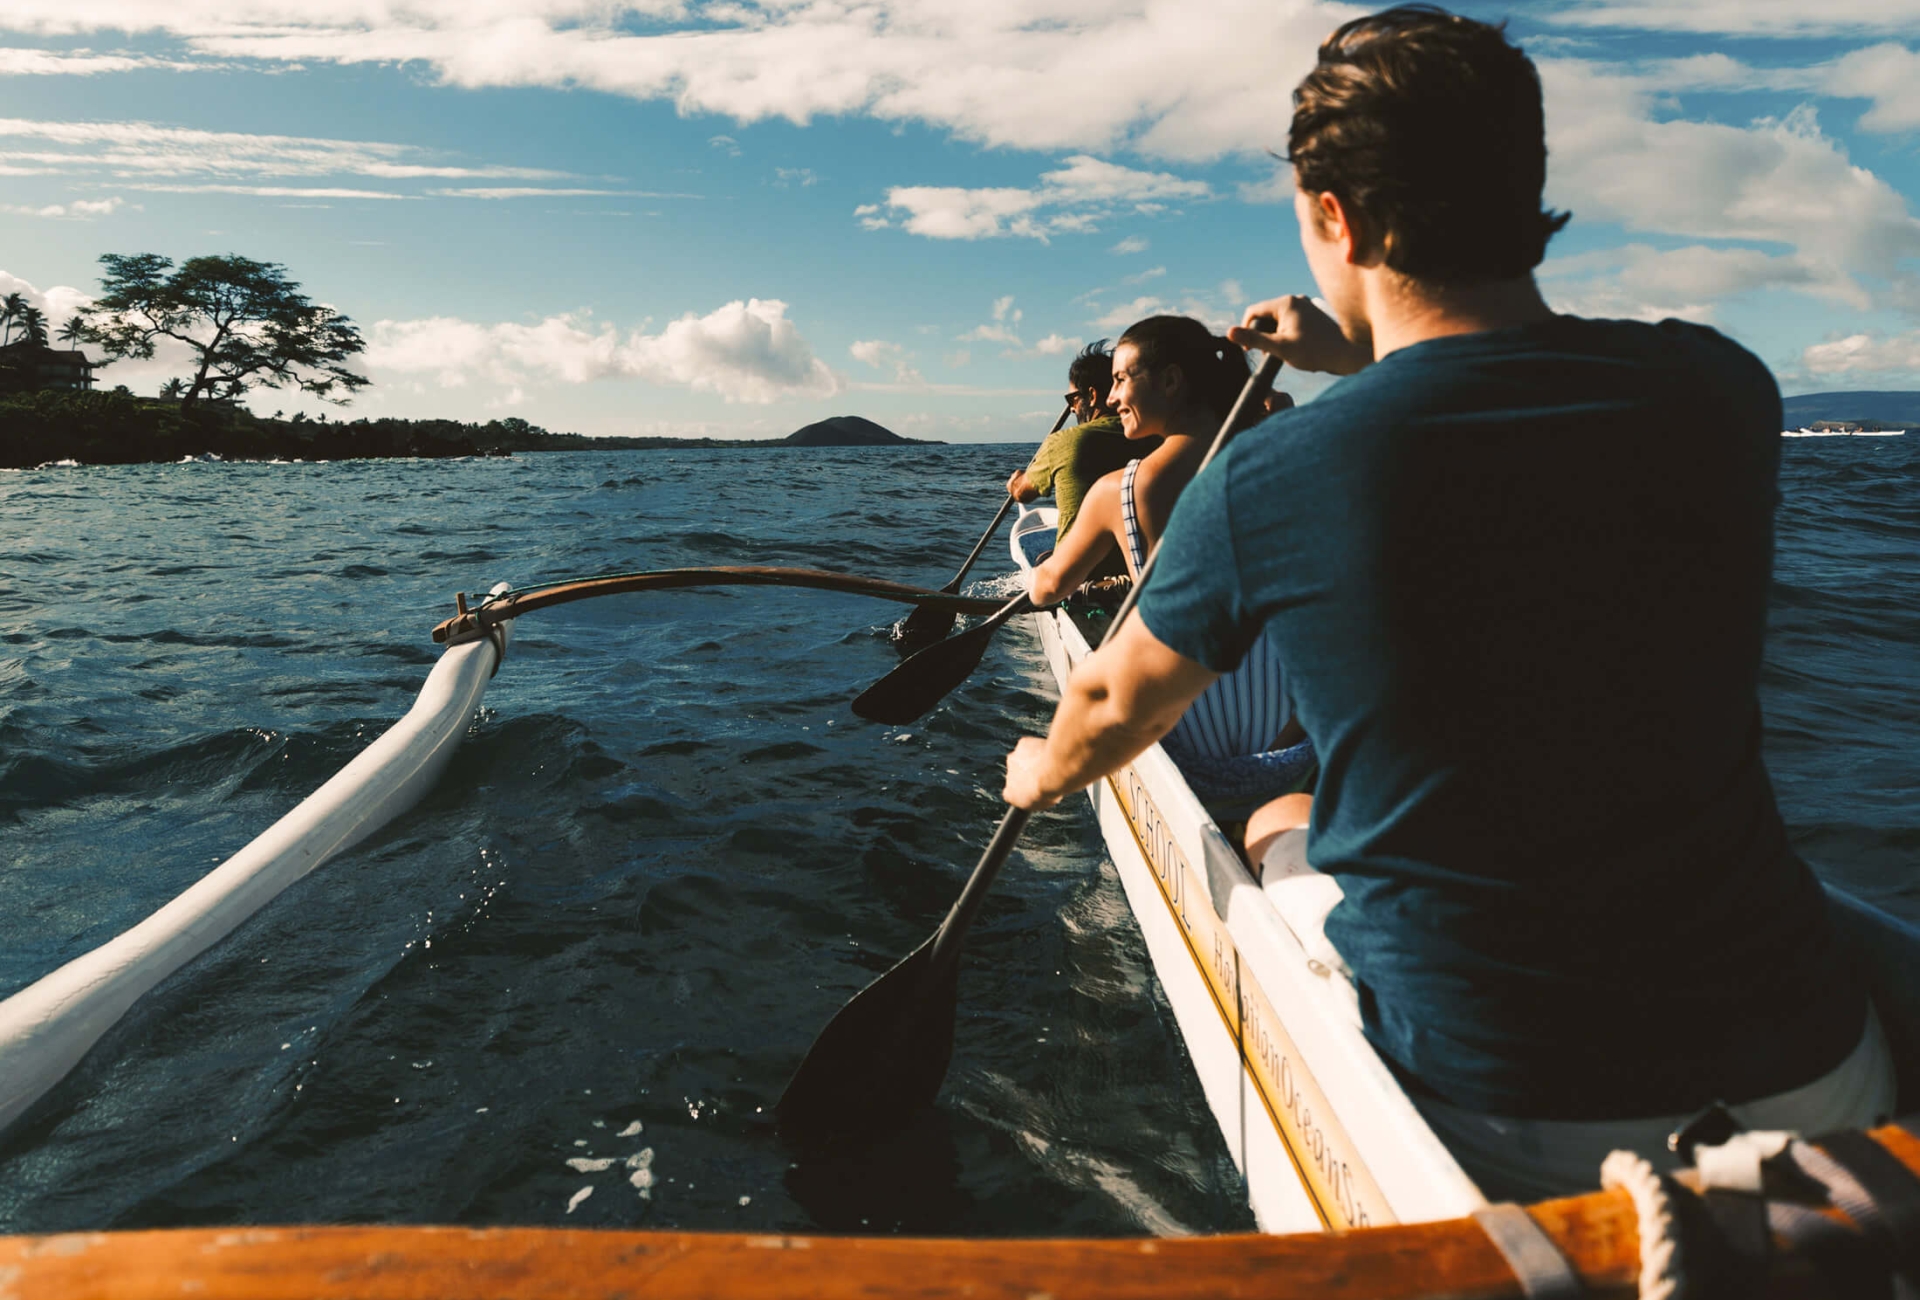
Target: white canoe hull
[1323,1132]
[47,1027]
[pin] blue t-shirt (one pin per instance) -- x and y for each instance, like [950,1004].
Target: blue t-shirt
[1518,579]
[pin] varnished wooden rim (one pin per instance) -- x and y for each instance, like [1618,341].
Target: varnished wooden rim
[1595,1232]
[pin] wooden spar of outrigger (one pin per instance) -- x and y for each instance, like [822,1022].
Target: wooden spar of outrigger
[502,608]
[1598,1236]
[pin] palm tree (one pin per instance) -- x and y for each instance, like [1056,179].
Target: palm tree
[33,325]
[174,389]
[10,308]
[74,331]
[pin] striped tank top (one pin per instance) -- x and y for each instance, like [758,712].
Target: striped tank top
[1242,713]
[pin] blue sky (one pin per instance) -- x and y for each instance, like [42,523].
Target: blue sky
[732,218]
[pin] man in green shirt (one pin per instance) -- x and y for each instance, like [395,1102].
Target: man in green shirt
[1071,460]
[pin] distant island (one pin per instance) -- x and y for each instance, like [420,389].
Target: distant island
[117,428]
[850,431]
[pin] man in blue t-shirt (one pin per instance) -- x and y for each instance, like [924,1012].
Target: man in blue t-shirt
[1516,565]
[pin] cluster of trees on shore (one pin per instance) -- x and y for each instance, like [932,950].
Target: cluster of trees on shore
[241,325]
[118,428]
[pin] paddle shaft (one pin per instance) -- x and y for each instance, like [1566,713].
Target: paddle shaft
[994,527]
[980,545]
[946,943]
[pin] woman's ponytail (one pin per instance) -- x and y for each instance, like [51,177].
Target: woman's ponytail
[1215,368]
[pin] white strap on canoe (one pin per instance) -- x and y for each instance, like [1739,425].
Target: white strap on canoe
[1736,1165]
[1543,1271]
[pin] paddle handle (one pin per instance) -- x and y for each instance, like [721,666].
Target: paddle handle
[953,930]
[1258,384]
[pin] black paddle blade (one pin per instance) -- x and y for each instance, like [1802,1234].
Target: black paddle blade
[922,680]
[878,1062]
[923,627]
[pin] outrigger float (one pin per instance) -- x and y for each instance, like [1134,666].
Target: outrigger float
[1355,1196]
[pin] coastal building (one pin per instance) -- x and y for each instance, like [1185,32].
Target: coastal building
[27,366]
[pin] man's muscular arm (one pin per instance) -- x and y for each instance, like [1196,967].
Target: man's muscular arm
[1122,698]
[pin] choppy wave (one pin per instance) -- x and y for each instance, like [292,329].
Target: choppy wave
[667,855]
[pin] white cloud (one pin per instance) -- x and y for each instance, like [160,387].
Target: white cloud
[1115,319]
[1774,181]
[1141,277]
[1746,17]
[1644,283]
[167,154]
[950,212]
[1004,328]
[882,355]
[77,209]
[57,303]
[18,62]
[539,192]
[1217,308]
[1887,74]
[1071,199]
[63,301]
[1131,244]
[743,352]
[1170,79]
[801,176]
[1884,357]
[1276,187]
[269,191]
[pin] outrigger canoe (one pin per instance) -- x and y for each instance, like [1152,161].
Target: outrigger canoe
[1325,1135]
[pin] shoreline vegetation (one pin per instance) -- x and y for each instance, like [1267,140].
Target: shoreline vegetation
[118,428]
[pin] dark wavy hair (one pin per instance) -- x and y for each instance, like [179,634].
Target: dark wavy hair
[1216,368]
[1429,126]
[1092,367]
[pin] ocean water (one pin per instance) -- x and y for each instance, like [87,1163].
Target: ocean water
[567,988]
